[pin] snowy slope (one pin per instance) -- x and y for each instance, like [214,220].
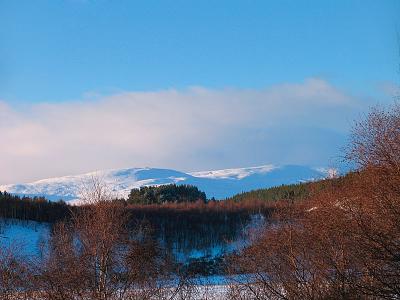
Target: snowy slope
[24,236]
[219,184]
[238,173]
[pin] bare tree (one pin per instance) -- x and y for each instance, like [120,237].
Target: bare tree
[98,255]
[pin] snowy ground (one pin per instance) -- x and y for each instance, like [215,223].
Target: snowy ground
[25,236]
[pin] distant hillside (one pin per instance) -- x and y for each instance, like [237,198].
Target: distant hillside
[219,184]
[295,191]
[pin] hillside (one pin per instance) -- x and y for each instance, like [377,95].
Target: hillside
[219,184]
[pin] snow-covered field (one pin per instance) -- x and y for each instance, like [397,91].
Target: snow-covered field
[219,184]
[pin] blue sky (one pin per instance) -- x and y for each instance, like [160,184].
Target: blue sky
[67,57]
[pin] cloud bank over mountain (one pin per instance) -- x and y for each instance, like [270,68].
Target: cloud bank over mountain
[192,129]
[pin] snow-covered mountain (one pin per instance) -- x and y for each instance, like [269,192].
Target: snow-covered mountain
[219,183]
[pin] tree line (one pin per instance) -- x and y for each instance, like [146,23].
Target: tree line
[32,208]
[150,201]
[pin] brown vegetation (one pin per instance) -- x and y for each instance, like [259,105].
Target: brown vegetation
[343,242]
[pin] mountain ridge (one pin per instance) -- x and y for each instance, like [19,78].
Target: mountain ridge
[219,184]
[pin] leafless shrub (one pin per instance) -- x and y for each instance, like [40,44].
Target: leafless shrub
[15,280]
[61,272]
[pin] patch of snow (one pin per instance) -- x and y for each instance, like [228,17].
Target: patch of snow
[23,235]
[311,209]
[330,172]
[238,173]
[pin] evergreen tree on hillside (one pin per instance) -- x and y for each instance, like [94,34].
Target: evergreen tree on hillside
[170,193]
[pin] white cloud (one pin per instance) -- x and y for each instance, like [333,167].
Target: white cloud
[193,129]
[390,88]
